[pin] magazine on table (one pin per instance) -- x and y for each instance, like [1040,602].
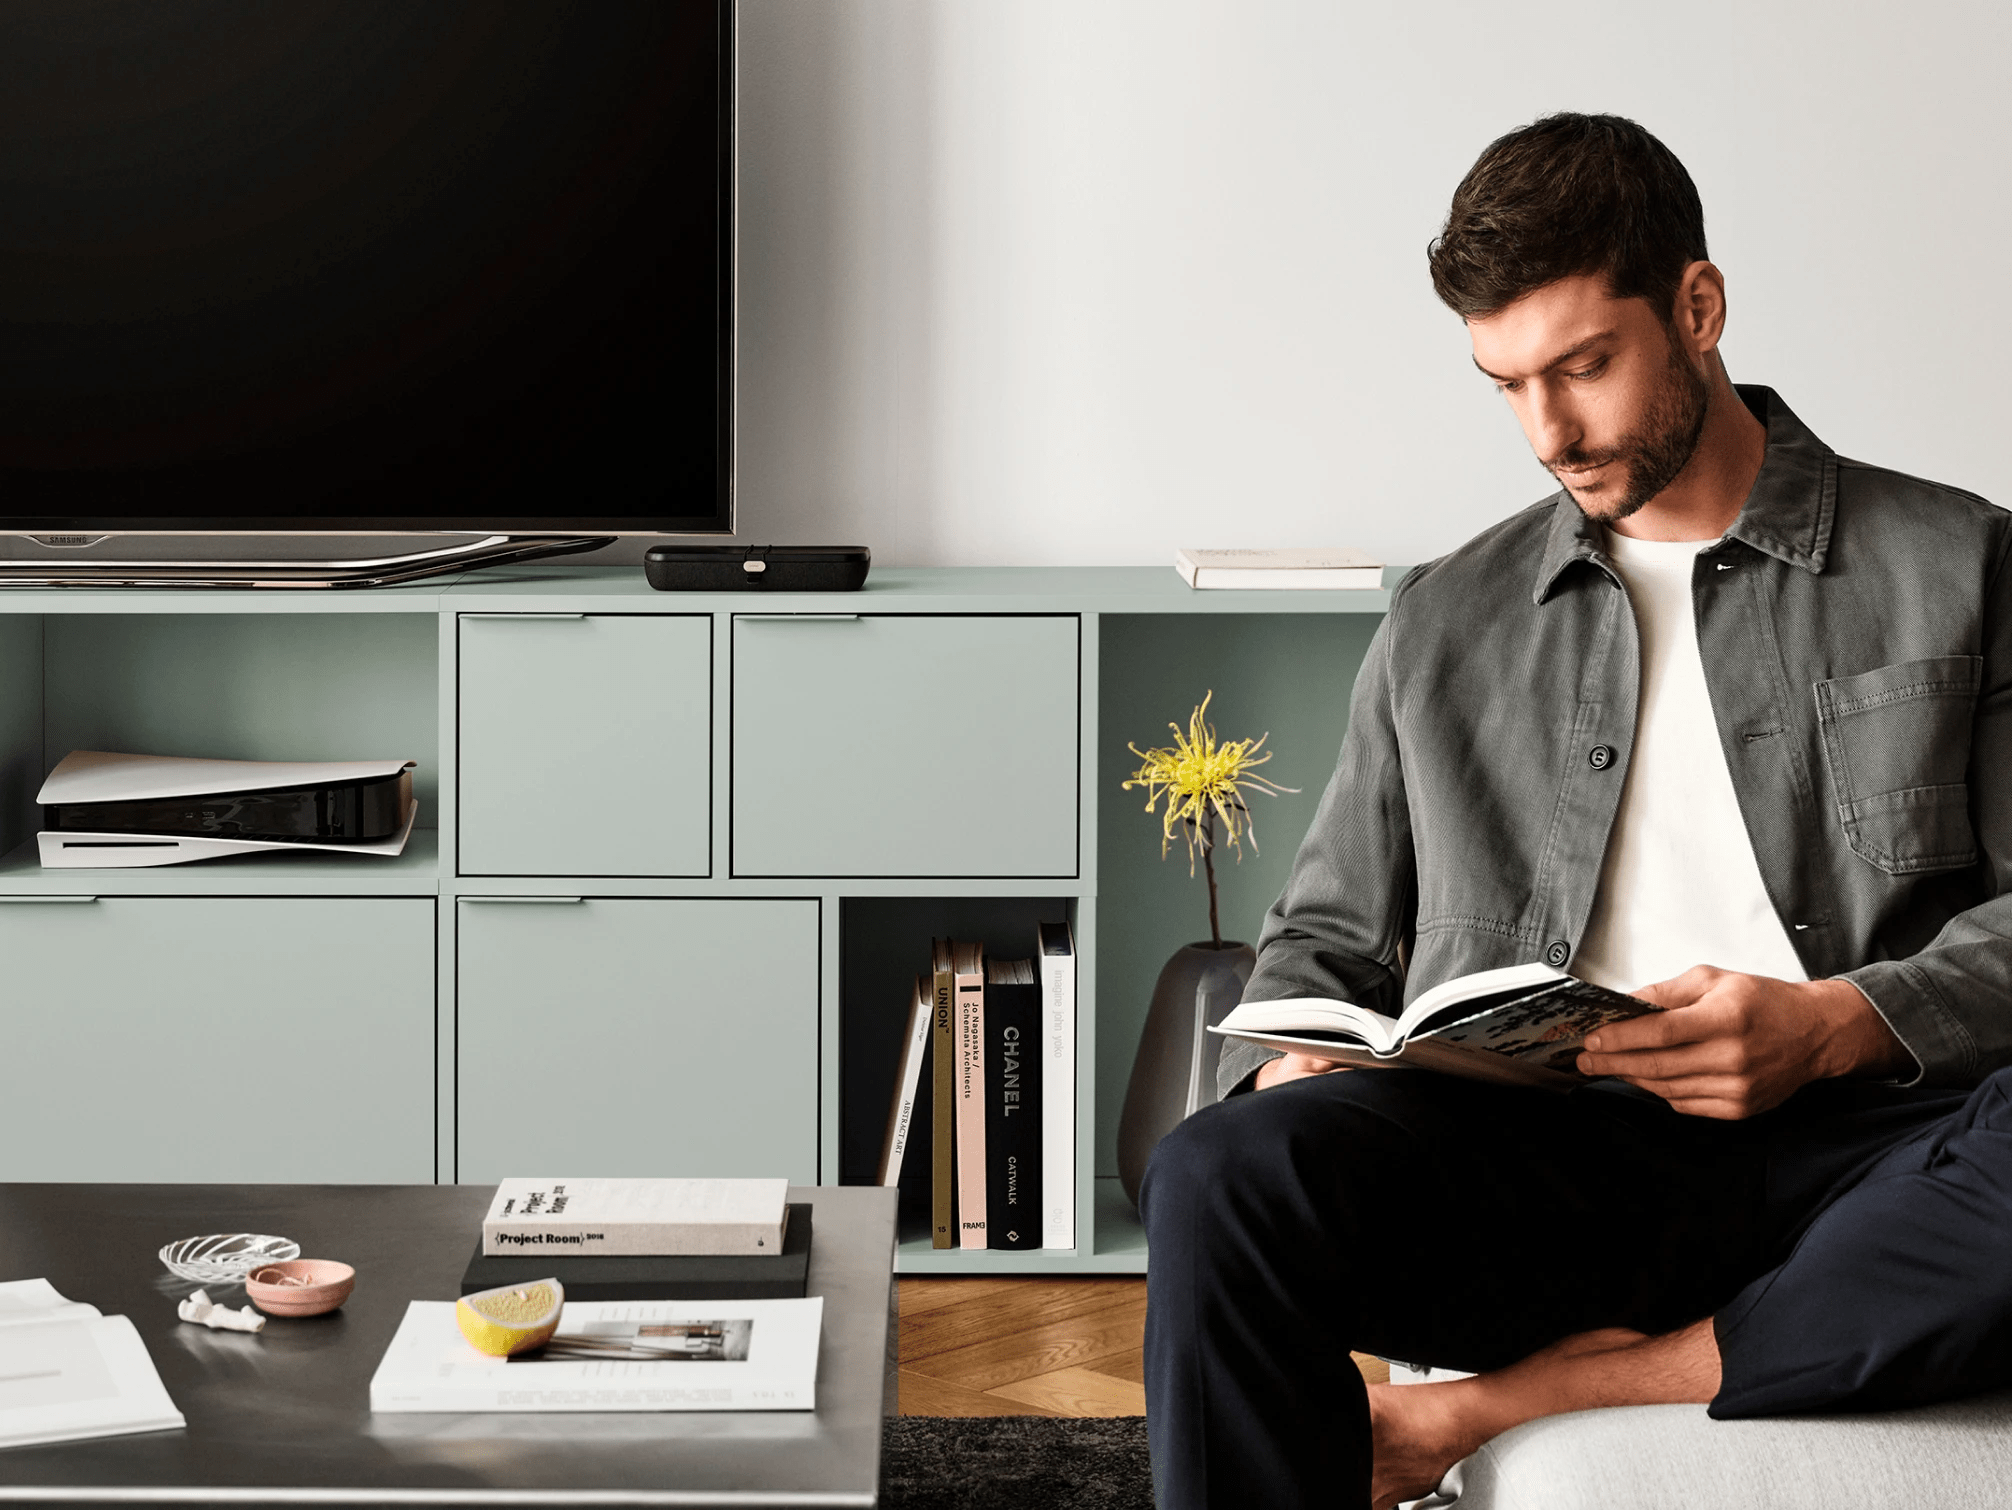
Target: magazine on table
[613,1355]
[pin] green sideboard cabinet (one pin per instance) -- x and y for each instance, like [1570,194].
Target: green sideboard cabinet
[637,1036]
[887,744]
[217,1039]
[586,744]
[679,859]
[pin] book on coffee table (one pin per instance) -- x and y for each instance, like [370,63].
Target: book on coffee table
[613,1356]
[658,1276]
[637,1216]
[68,1373]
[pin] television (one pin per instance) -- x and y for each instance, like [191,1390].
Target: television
[447,274]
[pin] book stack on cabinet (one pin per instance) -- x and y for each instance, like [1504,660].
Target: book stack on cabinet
[987,1060]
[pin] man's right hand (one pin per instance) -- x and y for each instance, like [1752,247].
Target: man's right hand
[1292,1067]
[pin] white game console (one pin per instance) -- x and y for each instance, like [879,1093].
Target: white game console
[105,811]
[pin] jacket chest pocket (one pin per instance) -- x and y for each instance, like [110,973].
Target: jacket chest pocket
[1897,741]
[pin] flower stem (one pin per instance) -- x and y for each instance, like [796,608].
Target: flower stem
[1209,863]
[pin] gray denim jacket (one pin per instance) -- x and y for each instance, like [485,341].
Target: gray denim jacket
[1856,631]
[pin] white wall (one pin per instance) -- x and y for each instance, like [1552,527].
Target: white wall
[1034,281]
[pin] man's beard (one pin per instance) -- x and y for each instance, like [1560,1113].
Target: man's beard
[1657,451]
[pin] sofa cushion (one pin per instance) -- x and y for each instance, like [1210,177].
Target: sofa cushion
[1675,1457]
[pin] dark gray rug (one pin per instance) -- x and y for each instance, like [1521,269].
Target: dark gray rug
[1015,1463]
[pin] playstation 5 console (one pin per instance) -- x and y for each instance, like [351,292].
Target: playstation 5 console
[106,811]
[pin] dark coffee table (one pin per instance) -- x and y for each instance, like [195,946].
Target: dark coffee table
[284,1417]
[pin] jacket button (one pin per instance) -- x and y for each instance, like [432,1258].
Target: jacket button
[1557,954]
[1600,757]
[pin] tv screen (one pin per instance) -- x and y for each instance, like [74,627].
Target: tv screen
[366,265]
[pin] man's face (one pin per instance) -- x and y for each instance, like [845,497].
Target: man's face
[1612,403]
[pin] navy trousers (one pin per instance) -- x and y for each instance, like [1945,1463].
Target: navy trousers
[1853,1247]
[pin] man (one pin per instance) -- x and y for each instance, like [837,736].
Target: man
[1726,722]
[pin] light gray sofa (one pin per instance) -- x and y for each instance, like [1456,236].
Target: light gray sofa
[1675,1457]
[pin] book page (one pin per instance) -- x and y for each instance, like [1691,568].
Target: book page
[1311,1015]
[1462,997]
[78,1377]
[1546,1028]
[37,1300]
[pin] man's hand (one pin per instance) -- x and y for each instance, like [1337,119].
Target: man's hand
[1292,1067]
[1729,1045]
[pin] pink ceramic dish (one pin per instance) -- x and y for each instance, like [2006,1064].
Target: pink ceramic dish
[300,1286]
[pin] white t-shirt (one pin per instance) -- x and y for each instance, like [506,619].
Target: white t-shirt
[1679,886]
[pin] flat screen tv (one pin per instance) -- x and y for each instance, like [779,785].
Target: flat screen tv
[340,267]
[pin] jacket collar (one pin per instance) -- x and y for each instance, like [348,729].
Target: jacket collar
[1787,515]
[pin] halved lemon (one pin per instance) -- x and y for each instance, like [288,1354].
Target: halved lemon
[512,1319]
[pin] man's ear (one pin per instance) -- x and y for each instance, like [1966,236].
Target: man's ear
[1699,313]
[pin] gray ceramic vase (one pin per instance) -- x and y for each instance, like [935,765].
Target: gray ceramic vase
[1174,1071]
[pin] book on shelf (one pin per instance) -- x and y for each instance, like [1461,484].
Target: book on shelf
[1520,1025]
[968,967]
[907,1084]
[613,1355]
[69,1373]
[1056,963]
[1013,1213]
[636,1216]
[942,1097]
[658,1276]
[1304,568]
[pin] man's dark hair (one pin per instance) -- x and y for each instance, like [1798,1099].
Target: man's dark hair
[1566,195]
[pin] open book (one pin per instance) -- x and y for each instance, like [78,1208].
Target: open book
[1522,1025]
[67,1372]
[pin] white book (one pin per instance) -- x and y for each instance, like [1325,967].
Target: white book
[1287,567]
[1056,962]
[635,1217]
[68,1373]
[705,1355]
[907,1082]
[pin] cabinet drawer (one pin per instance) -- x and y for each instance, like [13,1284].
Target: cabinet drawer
[905,745]
[637,1036]
[585,745]
[220,1040]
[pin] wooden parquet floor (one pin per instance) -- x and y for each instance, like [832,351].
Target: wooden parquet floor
[1027,1347]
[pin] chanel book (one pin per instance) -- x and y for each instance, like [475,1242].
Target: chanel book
[1522,1025]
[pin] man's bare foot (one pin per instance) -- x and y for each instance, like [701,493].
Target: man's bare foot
[1418,1431]
[1417,1437]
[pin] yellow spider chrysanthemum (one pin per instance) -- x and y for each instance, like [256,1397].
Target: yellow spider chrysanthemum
[1203,780]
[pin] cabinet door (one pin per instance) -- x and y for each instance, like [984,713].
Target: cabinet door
[218,1039]
[586,745]
[905,745]
[637,1036]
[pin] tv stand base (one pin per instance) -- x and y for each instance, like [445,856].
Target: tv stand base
[375,571]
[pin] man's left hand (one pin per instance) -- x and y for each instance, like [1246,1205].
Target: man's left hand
[1729,1045]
